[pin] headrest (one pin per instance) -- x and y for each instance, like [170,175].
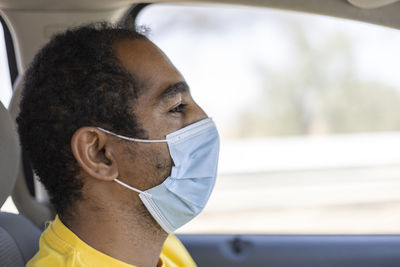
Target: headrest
[9,154]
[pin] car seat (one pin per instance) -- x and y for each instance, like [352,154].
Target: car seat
[19,238]
[27,200]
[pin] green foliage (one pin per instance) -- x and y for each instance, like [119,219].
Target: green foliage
[319,94]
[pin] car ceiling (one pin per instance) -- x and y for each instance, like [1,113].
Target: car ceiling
[107,4]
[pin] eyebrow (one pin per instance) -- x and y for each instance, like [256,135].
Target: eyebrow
[173,90]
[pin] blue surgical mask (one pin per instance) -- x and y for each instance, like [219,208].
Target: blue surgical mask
[194,150]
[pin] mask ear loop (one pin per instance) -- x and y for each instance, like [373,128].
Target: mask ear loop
[132,188]
[133,139]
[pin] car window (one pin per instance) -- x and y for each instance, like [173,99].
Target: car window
[308,108]
[5,81]
[5,97]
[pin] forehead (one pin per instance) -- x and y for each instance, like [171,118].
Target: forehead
[148,64]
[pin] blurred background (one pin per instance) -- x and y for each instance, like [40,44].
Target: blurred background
[308,108]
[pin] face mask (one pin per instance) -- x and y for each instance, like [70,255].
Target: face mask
[183,195]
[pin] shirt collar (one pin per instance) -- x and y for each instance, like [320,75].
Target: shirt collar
[87,253]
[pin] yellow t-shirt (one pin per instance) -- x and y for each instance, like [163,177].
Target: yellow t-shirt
[59,246]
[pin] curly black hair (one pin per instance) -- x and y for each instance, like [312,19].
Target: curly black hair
[75,80]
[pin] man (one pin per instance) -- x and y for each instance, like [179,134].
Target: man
[125,153]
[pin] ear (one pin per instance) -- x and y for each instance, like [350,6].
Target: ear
[93,153]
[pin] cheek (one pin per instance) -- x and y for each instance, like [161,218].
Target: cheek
[154,164]
[162,163]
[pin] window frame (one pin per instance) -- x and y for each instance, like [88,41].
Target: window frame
[10,49]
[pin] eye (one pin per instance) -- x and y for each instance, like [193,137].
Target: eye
[178,109]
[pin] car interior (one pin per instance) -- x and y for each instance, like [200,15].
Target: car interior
[18,236]
[28,24]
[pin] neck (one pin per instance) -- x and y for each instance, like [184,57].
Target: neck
[131,236]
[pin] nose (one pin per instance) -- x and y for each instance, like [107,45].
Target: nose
[195,114]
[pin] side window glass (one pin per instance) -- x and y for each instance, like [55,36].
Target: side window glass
[5,81]
[5,97]
[308,108]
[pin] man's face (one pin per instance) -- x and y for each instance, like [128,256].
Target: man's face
[164,105]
